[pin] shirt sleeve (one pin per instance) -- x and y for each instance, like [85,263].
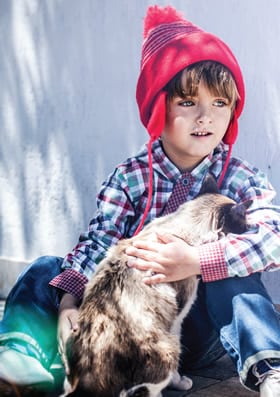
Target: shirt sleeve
[113,219]
[256,250]
[212,261]
[70,281]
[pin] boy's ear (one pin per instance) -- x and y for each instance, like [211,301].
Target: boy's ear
[209,185]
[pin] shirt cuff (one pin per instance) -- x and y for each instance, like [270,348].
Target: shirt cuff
[70,281]
[212,262]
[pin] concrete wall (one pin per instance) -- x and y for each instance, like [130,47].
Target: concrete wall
[68,115]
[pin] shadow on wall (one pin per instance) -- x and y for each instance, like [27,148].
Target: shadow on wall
[66,96]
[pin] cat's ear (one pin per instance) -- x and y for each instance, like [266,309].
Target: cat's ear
[239,210]
[235,221]
[209,185]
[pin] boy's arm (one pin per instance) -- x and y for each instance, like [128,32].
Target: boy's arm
[254,251]
[111,222]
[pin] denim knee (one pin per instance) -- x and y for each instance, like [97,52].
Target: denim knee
[243,313]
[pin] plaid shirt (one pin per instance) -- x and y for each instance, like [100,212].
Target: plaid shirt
[123,197]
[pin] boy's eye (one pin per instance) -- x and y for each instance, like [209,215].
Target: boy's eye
[221,103]
[186,103]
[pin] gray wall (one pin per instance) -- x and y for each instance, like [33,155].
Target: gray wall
[68,115]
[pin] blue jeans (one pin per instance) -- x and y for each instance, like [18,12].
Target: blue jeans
[234,315]
[31,311]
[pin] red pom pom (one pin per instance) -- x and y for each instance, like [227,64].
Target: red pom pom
[159,15]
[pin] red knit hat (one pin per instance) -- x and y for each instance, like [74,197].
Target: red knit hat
[171,43]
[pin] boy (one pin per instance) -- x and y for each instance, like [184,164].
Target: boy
[190,94]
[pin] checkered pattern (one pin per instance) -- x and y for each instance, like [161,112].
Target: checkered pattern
[212,253]
[70,281]
[179,193]
[123,198]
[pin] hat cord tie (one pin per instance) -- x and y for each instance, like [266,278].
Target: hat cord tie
[150,189]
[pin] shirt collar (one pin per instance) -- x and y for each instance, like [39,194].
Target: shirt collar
[163,165]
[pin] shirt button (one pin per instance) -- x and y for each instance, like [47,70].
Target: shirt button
[185,182]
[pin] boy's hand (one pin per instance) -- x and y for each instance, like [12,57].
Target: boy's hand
[67,323]
[168,259]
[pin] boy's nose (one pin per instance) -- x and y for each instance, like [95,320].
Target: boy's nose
[204,116]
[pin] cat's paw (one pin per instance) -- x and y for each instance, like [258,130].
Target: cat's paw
[181,382]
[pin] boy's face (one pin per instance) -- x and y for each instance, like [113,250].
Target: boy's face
[194,127]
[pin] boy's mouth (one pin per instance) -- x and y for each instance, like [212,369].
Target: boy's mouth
[201,133]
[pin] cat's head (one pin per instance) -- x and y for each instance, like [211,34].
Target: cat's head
[231,215]
[213,214]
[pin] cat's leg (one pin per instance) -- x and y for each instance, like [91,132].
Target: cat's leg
[181,382]
[154,389]
[67,388]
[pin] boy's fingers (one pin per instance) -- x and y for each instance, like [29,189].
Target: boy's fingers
[154,278]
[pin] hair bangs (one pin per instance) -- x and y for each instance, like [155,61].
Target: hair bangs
[215,76]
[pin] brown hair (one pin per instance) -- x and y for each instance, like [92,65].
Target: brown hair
[216,77]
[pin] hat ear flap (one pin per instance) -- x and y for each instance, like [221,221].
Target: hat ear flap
[232,131]
[156,122]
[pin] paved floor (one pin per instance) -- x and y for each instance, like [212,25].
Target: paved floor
[219,380]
